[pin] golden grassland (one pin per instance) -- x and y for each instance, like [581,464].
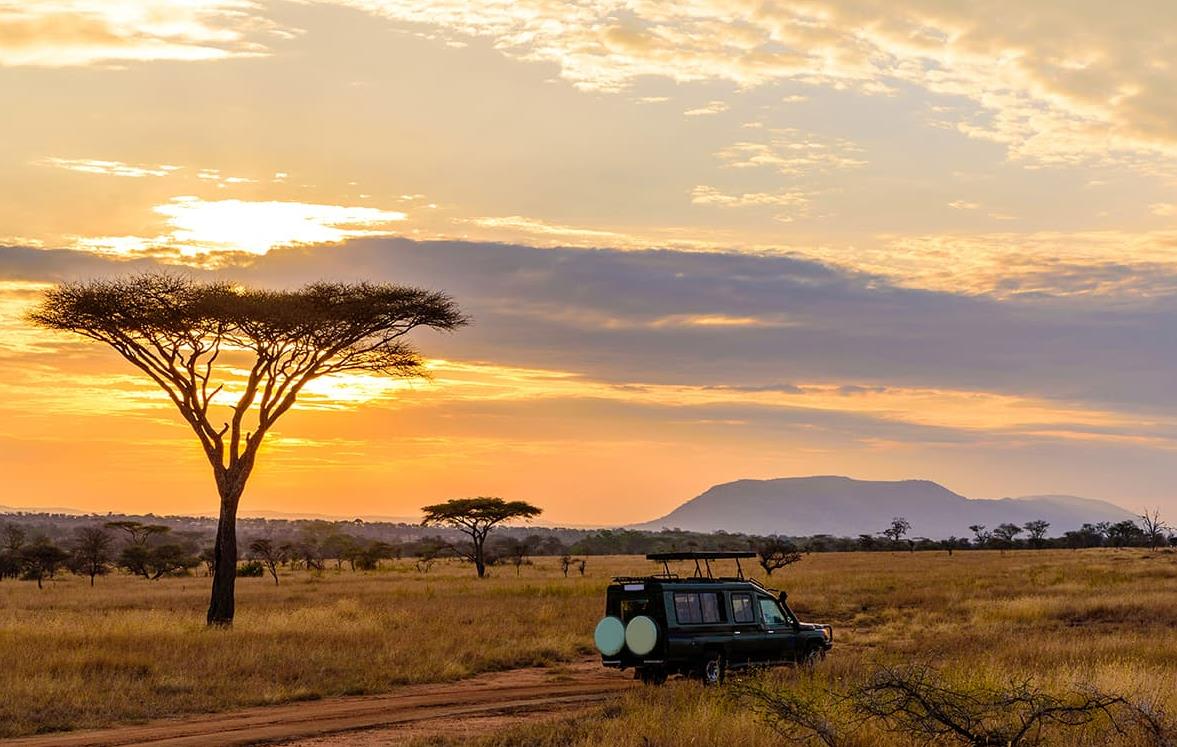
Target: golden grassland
[128,649]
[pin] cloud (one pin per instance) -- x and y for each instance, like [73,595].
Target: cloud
[66,33]
[109,168]
[1163,208]
[704,195]
[1064,84]
[203,227]
[793,153]
[964,205]
[711,107]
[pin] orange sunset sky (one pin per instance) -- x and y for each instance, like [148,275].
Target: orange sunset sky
[700,241]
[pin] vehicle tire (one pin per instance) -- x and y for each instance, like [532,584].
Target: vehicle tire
[811,657]
[652,675]
[714,669]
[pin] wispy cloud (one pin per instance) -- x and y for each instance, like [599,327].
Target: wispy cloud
[1029,85]
[108,168]
[794,153]
[66,33]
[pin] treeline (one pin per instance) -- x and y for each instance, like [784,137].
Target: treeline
[154,551]
[39,547]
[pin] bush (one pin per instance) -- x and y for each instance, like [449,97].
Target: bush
[252,569]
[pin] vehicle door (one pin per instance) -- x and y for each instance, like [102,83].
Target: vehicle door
[778,634]
[746,633]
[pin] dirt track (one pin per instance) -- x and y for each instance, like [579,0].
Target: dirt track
[461,708]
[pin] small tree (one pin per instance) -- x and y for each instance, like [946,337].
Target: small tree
[1154,527]
[91,552]
[11,558]
[193,338]
[1005,534]
[1124,534]
[157,561]
[1036,530]
[137,532]
[981,535]
[899,527]
[476,517]
[42,560]
[775,553]
[268,554]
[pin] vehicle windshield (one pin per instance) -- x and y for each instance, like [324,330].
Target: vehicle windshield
[771,612]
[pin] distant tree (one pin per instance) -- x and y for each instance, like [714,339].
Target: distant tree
[565,564]
[517,550]
[1154,527]
[1088,535]
[899,527]
[1005,534]
[11,558]
[1036,530]
[476,517]
[174,329]
[41,559]
[867,542]
[13,537]
[1125,534]
[91,553]
[775,553]
[137,532]
[271,555]
[428,550]
[155,562]
[208,556]
[981,535]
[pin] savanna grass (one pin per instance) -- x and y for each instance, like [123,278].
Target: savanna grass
[129,649]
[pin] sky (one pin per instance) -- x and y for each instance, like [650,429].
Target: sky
[700,241]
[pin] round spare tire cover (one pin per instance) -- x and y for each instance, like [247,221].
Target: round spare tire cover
[641,635]
[609,636]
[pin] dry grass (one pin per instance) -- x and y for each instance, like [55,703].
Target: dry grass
[73,657]
[1100,618]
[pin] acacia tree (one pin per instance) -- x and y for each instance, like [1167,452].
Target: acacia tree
[774,554]
[476,517]
[1037,531]
[190,337]
[899,527]
[91,552]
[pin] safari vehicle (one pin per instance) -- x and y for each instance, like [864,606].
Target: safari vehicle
[702,625]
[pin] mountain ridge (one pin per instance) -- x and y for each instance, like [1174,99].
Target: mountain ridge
[844,506]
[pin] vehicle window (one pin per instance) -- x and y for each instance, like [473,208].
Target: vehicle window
[631,608]
[742,608]
[771,612]
[697,607]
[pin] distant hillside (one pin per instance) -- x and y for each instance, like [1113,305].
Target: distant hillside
[841,506]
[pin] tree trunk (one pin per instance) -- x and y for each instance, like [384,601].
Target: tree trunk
[220,607]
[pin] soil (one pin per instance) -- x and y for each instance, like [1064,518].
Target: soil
[466,708]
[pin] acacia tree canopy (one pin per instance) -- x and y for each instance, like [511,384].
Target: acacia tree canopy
[188,336]
[476,517]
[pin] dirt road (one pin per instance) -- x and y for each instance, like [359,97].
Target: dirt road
[460,708]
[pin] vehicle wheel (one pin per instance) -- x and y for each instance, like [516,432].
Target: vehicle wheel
[651,675]
[714,669]
[812,656]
